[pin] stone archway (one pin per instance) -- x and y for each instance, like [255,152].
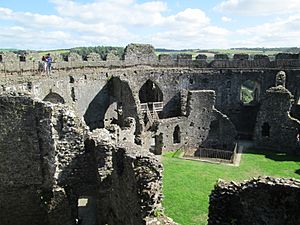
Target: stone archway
[150,92]
[54,98]
[176,135]
[250,92]
[265,130]
[113,103]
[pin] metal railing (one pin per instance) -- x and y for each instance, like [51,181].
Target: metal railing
[217,154]
[152,107]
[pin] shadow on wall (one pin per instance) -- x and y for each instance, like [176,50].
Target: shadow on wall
[115,92]
[173,107]
[221,135]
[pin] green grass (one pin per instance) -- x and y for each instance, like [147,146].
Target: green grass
[187,184]
[247,94]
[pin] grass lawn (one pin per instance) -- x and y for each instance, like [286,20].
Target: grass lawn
[187,184]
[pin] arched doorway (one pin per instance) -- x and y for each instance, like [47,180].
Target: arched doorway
[151,101]
[176,135]
[249,92]
[249,97]
[150,92]
[265,130]
[113,103]
[54,98]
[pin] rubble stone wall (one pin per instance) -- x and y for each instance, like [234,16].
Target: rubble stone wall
[143,54]
[265,200]
[275,128]
[49,161]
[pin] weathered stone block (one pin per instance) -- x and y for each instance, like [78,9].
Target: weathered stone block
[140,53]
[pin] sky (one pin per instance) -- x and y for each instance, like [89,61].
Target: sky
[178,24]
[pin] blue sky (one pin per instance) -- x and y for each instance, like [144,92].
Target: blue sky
[205,24]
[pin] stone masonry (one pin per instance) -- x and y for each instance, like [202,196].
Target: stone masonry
[81,141]
[49,160]
[264,200]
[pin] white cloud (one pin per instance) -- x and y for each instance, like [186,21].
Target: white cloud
[112,11]
[226,19]
[259,7]
[281,32]
[190,28]
[111,22]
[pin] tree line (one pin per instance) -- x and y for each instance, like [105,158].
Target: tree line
[101,50]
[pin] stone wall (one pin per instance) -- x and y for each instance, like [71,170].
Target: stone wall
[275,128]
[264,200]
[195,129]
[142,54]
[31,162]
[100,94]
[91,92]
[49,162]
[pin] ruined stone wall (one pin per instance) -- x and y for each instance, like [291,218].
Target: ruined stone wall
[132,171]
[144,54]
[49,161]
[140,54]
[90,93]
[97,92]
[266,200]
[195,128]
[31,163]
[275,128]
[20,183]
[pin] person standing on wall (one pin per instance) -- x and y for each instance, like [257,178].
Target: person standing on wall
[48,61]
[44,64]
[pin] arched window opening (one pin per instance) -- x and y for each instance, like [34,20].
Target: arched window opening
[54,98]
[72,80]
[249,92]
[150,92]
[176,135]
[265,130]
[22,58]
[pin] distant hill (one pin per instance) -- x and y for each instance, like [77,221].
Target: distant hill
[104,50]
[8,49]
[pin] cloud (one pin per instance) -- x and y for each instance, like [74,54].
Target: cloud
[190,28]
[281,32]
[226,19]
[111,22]
[113,11]
[259,7]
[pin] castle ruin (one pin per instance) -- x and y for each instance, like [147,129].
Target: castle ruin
[90,132]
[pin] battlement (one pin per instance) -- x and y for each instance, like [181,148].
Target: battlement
[143,54]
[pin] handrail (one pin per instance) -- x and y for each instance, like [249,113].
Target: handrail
[152,106]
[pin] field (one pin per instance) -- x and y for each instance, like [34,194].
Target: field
[187,184]
[103,50]
[230,52]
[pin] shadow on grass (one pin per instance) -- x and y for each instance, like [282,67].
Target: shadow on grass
[276,156]
[297,171]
